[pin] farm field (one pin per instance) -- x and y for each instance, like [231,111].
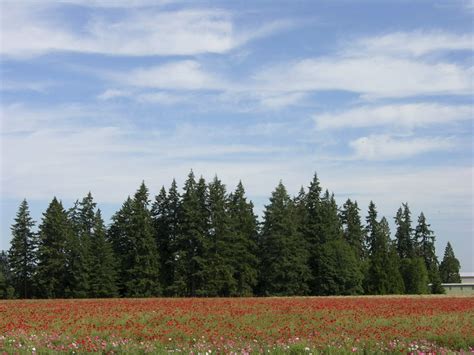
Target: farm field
[245,325]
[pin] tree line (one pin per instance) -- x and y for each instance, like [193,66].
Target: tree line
[206,242]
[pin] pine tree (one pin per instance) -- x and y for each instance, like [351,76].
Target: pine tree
[103,276]
[160,217]
[284,267]
[425,244]
[55,233]
[415,275]
[6,289]
[331,228]
[449,267]
[190,240]
[383,275]
[404,234]
[119,237]
[142,276]
[310,226]
[22,253]
[219,269]
[243,230]
[371,228]
[81,218]
[354,232]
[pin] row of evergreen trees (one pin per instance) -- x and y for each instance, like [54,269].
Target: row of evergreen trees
[207,242]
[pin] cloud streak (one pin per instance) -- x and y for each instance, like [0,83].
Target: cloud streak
[394,116]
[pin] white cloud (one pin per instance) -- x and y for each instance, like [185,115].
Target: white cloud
[185,75]
[397,115]
[29,31]
[416,43]
[370,76]
[385,147]
[113,93]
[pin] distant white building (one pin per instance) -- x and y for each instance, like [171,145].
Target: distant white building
[467,277]
[466,287]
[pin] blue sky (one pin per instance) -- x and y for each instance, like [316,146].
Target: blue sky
[375,96]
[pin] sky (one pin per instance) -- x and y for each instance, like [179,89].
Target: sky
[373,96]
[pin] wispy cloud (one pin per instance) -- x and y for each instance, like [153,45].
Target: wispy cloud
[416,43]
[397,115]
[28,31]
[373,77]
[186,75]
[385,147]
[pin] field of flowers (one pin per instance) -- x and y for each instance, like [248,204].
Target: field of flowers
[246,325]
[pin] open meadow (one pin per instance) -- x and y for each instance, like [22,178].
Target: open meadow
[239,325]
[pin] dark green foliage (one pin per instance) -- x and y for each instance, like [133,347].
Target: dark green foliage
[284,267]
[243,231]
[103,276]
[309,216]
[119,237]
[22,253]
[6,289]
[338,270]
[55,234]
[383,276]
[190,241]
[425,245]
[160,214]
[449,267]
[415,275]
[354,232]
[142,277]
[404,233]
[206,242]
[219,269]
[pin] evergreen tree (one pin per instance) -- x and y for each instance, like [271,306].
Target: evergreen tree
[383,275]
[190,241]
[310,221]
[219,269]
[81,218]
[331,228]
[449,267]
[55,233]
[425,244]
[6,289]
[161,224]
[142,276]
[119,237]
[22,253]
[243,230]
[404,234]
[354,232]
[371,228]
[103,277]
[338,269]
[284,259]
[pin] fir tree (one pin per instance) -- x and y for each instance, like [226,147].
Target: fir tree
[243,230]
[103,277]
[449,267]
[119,237]
[55,233]
[404,233]
[284,259]
[190,241]
[6,289]
[219,269]
[22,253]
[310,221]
[425,244]
[371,228]
[354,232]
[142,277]
[330,223]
